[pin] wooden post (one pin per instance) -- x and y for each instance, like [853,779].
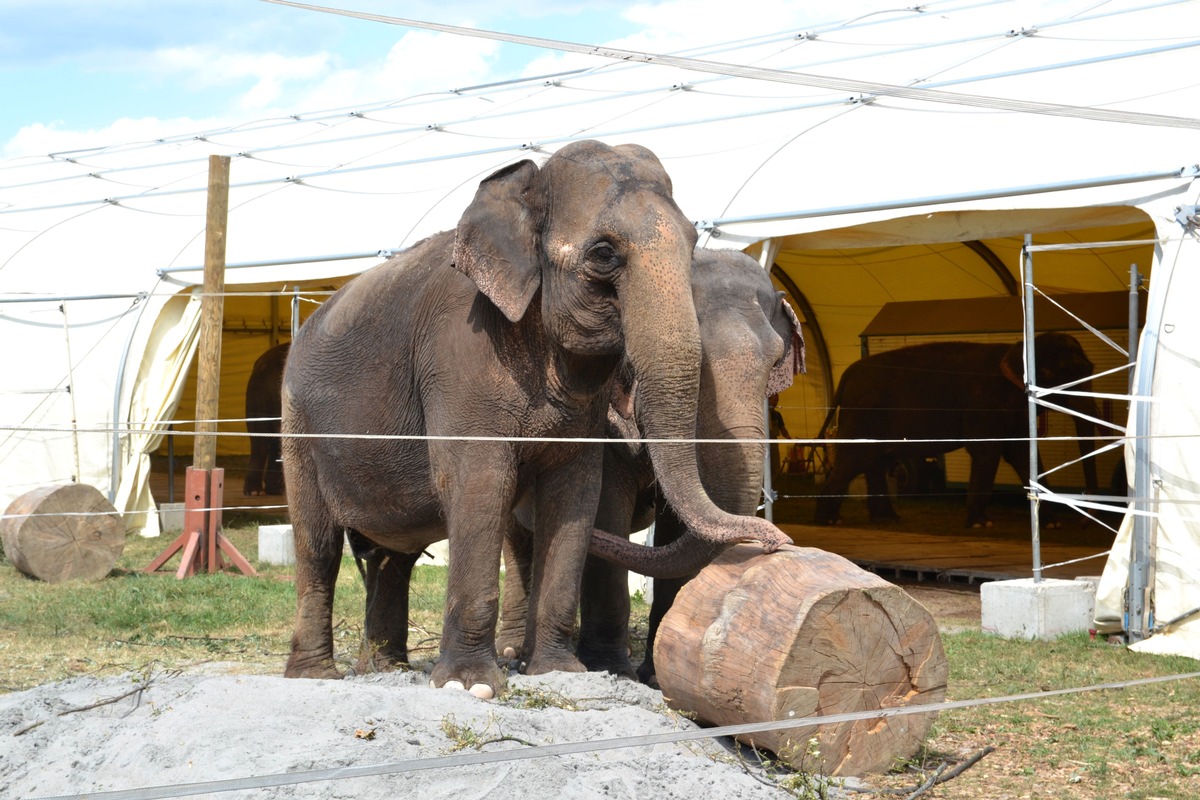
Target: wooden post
[201,542]
[800,633]
[212,315]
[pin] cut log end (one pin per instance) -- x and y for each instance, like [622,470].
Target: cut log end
[803,633]
[61,533]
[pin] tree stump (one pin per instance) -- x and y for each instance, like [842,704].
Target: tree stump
[60,533]
[800,633]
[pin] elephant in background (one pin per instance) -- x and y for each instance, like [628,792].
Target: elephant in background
[751,348]
[497,339]
[264,473]
[965,394]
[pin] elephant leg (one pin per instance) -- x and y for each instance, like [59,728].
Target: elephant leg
[985,458]
[833,492]
[514,607]
[604,618]
[273,469]
[387,576]
[318,559]
[879,500]
[253,484]
[567,499]
[667,529]
[478,511]
[604,589]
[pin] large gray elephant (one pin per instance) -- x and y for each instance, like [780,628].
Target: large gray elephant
[264,472]
[493,339]
[943,396]
[751,348]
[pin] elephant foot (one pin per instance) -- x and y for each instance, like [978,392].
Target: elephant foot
[646,674]
[835,521]
[979,523]
[510,643]
[484,680]
[615,661]
[541,663]
[321,669]
[380,659]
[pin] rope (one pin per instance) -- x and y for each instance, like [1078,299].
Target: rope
[574,748]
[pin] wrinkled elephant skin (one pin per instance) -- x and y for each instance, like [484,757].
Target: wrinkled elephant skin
[751,347]
[508,328]
[964,394]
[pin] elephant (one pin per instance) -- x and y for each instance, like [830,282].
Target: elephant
[751,348]
[472,371]
[264,474]
[943,396]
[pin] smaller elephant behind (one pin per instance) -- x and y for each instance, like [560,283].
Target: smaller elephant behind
[942,396]
[751,348]
[264,405]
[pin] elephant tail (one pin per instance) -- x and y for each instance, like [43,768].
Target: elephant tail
[682,558]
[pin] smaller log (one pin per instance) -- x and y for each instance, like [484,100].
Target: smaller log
[61,533]
[798,633]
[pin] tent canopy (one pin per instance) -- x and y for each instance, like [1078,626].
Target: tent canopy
[899,156]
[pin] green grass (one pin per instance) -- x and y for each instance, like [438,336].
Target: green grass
[1138,743]
[1141,742]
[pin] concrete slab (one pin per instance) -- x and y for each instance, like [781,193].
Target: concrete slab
[1025,609]
[276,544]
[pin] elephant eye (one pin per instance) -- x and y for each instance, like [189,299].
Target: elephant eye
[603,257]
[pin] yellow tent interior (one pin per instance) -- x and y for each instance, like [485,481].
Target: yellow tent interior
[839,280]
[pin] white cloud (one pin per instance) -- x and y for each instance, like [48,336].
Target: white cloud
[269,73]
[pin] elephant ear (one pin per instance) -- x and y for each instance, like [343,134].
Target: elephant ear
[793,361]
[1012,365]
[495,244]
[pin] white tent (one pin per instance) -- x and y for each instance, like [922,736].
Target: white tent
[899,156]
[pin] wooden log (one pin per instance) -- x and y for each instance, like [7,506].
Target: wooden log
[61,533]
[800,633]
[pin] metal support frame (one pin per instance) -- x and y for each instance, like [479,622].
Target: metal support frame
[766,259]
[1030,333]
[1139,614]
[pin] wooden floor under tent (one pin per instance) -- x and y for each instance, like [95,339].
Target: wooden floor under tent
[929,544]
[969,557]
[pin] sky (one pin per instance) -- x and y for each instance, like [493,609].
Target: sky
[82,73]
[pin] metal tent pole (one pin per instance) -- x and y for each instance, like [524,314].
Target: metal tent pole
[770,249]
[1030,373]
[1137,607]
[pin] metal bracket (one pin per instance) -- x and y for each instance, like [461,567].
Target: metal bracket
[1188,217]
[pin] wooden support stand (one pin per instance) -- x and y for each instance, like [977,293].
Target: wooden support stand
[800,633]
[203,545]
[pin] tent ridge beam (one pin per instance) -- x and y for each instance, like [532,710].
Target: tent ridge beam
[712,226]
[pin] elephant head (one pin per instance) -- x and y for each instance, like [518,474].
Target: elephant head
[597,232]
[1060,360]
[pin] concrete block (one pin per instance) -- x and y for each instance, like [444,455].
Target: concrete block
[1025,609]
[276,544]
[170,516]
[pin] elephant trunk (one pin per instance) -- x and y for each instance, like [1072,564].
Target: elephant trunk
[664,349]
[682,558]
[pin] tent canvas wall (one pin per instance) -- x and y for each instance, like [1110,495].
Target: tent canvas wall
[855,157]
